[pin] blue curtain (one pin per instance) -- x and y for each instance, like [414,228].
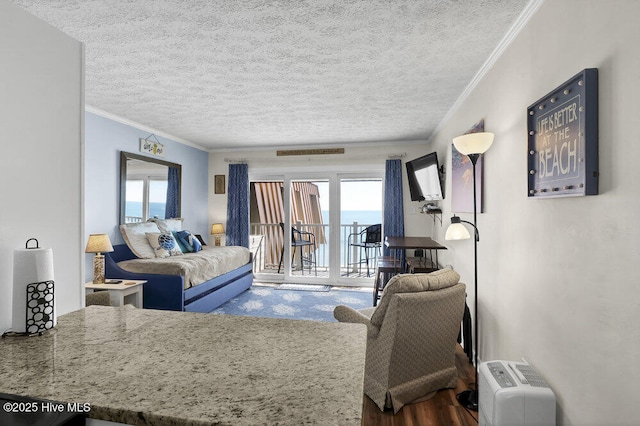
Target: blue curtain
[238,206]
[172,208]
[393,204]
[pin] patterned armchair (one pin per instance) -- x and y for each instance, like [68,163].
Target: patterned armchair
[412,337]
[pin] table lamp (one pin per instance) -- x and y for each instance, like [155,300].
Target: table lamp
[217,229]
[98,243]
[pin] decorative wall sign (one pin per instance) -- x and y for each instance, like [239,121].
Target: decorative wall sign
[462,178]
[218,184]
[151,146]
[562,148]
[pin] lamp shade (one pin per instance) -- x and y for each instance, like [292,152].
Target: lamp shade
[98,243]
[473,143]
[217,228]
[456,231]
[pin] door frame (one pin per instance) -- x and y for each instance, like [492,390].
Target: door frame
[334,177]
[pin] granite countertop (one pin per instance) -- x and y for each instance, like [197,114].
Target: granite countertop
[177,368]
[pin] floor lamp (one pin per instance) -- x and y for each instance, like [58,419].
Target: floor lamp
[473,145]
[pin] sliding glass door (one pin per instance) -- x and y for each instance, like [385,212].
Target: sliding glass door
[309,243]
[360,226]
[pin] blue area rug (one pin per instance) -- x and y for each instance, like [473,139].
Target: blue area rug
[265,301]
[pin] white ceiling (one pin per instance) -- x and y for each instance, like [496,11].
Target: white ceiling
[254,73]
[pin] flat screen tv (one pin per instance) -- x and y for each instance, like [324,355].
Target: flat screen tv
[424,178]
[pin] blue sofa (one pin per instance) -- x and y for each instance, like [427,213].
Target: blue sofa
[167,291]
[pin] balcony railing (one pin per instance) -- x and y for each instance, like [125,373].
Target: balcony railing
[270,250]
[273,241]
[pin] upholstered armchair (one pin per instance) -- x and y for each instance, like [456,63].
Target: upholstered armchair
[411,337]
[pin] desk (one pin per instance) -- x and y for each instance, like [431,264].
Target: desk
[388,266]
[424,243]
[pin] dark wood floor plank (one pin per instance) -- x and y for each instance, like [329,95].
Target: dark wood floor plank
[442,409]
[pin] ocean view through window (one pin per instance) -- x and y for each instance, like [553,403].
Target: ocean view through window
[330,208]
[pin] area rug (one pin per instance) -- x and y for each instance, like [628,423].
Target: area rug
[304,287]
[267,302]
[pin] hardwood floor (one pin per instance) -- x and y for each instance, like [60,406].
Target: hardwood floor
[442,409]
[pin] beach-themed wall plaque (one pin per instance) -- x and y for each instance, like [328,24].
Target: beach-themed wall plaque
[151,145]
[562,148]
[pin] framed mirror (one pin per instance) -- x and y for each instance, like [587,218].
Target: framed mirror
[149,188]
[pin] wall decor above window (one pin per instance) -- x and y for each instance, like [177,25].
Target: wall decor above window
[562,148]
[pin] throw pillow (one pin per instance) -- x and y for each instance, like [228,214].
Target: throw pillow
[199,237]
[135,235]
[190,241]
[183,248]
[163,243]
[168,225]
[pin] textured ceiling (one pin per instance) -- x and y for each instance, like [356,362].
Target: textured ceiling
[252,73]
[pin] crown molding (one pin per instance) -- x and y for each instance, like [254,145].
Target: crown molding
[513,32]
[125,121]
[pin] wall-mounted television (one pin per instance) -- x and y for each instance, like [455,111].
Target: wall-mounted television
[424,178]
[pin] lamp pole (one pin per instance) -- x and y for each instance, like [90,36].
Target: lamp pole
[473,145]
[469,398]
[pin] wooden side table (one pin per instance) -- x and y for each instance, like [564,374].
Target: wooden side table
[128,291]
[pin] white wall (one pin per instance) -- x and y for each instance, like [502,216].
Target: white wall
[355,159]
[41,119]
[558,278]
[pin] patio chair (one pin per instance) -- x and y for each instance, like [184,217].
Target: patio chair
[301,239]
[370,238]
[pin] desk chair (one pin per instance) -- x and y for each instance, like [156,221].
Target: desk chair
[386,267]
[301,239]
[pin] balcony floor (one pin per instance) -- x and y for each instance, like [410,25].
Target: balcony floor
[323,272]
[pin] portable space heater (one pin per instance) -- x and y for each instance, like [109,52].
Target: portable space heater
[512,393]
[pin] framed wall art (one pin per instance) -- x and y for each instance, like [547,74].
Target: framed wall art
[562,147]
[218,184]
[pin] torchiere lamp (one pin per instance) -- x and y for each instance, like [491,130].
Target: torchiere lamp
[473,145]
[217,229]
[98,243]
